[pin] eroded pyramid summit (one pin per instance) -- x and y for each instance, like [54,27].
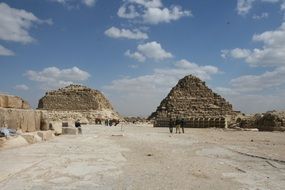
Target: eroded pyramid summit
[74,97]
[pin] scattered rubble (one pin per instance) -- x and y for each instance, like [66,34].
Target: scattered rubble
[271,121]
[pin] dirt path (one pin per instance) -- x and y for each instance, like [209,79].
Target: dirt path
[148,158]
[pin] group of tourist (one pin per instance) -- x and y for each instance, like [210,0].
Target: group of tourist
[111,122]
[178,124]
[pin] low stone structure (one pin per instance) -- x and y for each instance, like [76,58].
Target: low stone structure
[271,121]
[8,101]
[192,100]
[19,119]
[195,122]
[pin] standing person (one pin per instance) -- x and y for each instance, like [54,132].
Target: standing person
[183,123]
[171,124]
[78,126]
[177,125]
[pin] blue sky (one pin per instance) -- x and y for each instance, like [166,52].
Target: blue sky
[135,51]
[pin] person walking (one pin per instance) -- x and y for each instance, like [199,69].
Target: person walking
[171,124]
[177,125]
[182,123]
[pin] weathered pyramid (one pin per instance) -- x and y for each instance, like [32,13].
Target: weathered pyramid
[191,98]
[74,97]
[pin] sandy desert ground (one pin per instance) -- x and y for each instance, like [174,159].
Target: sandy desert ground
[142,157]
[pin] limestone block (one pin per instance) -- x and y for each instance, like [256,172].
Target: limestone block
[56,127]
[14,102]
[44,125]
[26,120]
[3,101]
[8,101]
[25,105]
[31,138]
[46,135]
[15,142]
[69,131]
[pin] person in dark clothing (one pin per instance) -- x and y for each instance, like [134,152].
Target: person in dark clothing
[171,125]
[177,125]
[182,124]
[78,126]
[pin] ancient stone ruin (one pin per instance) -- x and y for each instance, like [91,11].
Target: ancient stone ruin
[193,100]
[16,113]
[9,101]
[76,102]
[74,97]
[269,121]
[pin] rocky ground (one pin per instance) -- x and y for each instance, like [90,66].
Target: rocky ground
[142,157]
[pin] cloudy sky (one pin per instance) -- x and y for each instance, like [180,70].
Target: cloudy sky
[135,51]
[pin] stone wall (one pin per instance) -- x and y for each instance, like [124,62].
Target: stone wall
[8,101]
[20,119]
[195,122]
[87,117]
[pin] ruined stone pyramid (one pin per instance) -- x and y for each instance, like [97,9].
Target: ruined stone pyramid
[191,98]
[74,97]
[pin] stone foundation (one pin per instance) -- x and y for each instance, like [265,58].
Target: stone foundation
[219,122]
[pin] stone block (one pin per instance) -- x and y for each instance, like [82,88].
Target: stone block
[31,138]
[46,135]
[14,102]
[69,131]
[8,101]
[56,127]
[26,120]
[13,142]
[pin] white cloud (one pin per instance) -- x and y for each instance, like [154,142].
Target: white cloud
[147,91]
[151,50]
[21,87]
[254,103]
[53,77]
[5,52]
[265,81]
[236,53]
[262,16]
[136,55]
[257,93]
[136,34]
[244,6]
[128,12]
[15,23]
[157,15]
[283,6]
[154,50]
[151,11]
[147,3]
[89,3]
[272,52]
[74,3]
